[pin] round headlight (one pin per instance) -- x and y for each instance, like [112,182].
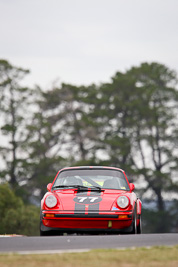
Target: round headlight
[50,201]
[122,202]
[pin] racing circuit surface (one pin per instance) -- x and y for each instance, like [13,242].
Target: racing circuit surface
[72,243]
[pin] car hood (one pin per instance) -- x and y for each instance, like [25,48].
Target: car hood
[73,200]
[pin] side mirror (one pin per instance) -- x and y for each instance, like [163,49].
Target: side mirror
[132,187]
[49,186]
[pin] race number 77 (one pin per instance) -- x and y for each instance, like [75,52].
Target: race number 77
[82,199]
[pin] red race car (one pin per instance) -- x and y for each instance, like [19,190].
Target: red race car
[90,200]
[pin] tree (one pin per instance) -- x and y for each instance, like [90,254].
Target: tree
[16,218]
[156,130]
[44,159]
[13,111]
[67,109]
[118,116]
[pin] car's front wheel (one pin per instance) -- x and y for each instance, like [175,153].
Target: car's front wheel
[44,233]
[134,223]
[139,227]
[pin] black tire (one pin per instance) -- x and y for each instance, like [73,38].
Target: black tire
[134,223]
[139,227]
[44,233]
[50,233]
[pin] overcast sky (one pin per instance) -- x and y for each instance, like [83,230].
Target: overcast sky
[87,41]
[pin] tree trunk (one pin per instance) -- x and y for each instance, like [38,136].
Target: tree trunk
[13,180]
[160,201]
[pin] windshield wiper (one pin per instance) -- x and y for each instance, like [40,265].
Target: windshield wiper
[92,188]
[71,186]
[80,187]
[95,188]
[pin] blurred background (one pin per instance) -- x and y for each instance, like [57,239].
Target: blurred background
[88,83]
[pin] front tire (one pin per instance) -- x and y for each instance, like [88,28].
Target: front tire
[44,233]
[139,227]
[134,223]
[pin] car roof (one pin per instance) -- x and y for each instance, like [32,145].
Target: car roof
[91,167]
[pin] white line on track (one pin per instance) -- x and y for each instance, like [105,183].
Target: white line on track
[47,251]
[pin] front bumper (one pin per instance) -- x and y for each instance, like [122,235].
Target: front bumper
[106,221]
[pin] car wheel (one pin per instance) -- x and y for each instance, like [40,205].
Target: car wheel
[134,223]
[44,233]
[139,227]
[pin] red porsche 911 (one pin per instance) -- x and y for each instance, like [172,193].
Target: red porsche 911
[90,199]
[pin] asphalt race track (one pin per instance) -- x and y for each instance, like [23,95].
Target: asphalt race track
[71,243]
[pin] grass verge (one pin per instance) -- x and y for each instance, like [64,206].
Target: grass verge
[155,256]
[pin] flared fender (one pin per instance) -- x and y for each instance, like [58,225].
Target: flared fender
[139,206]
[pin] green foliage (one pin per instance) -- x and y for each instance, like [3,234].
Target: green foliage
[161,221]
[17,218]
[8,200]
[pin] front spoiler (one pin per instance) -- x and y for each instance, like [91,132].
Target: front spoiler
[59,231]
[103,222]
[93,214]
[90,216]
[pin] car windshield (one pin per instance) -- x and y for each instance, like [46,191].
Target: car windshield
[92,178]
